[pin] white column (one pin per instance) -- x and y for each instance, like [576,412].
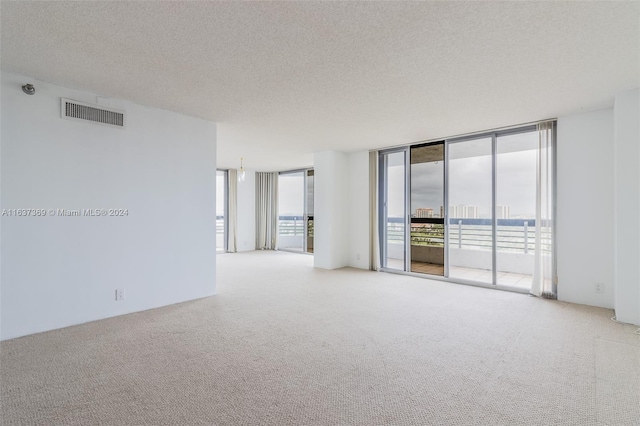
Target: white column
[627,206]
[585,202]
[330,210]
[358,210]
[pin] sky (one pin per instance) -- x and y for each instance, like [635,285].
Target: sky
[291,194]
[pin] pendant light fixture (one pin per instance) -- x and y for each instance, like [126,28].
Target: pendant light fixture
[242,175]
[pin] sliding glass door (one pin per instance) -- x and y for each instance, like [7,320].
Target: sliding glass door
[479,209]
[295,206]
[393,239]
[470,190]
[427,209]
[516,179]
[309,212]
[221,210]
[291,211]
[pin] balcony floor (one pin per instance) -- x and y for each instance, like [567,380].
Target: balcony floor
[427,268]
[507,279]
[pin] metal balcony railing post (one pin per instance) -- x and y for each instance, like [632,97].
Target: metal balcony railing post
[459,234]
[526,237]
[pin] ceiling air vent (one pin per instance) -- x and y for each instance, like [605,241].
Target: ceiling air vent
[75,110]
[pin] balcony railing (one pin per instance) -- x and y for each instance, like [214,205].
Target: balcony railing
[288,225]
[220,225]
[512,235]
[293,226]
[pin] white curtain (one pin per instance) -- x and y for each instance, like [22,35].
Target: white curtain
[232,227]
[374,251]
[544,275]
[266,211]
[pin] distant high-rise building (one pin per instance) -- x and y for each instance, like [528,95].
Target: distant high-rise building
[442,211]
[424,212]
[453,211]
[503,212]
[463,212]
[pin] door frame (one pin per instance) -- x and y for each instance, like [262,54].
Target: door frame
[382,206]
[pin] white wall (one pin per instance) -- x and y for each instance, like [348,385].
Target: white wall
[331,217]
[627,206]
[358,204]
[585,212]
[59,271]
[246,224]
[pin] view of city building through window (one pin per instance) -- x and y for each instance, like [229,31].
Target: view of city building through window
[471,218]
[427,223]
[464,212]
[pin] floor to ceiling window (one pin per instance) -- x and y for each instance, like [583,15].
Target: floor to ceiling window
[470,209]
[516,177]
[221,210]
[393,202]
[309,213]
[479,208]
[295,211]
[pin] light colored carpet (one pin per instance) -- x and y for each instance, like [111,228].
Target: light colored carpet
[285,344]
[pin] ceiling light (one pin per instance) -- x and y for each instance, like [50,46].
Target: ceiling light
[242,175]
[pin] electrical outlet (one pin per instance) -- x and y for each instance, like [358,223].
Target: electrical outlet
[599,288]
[119,294]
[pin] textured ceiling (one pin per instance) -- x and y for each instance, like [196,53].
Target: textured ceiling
[284,80]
